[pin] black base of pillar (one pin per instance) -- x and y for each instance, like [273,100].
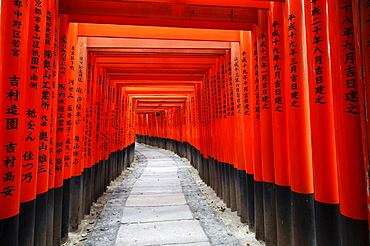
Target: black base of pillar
[58,213]
[65,210]
[9,231]
[303,220]
[75,203]
[283,215]
[354,232]
[27,223]
[243,211]
[41,219]
[327,224]
[269,213]
[232,187]
[250,200]
[87,190]
[258,210]
[50,217]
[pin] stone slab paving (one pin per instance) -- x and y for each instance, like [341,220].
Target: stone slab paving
[159,204]
[151,214]
[161,233]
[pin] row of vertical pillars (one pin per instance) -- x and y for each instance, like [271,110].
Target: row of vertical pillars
[267,207]
[48,219]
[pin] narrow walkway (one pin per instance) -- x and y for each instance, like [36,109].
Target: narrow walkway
[159,204]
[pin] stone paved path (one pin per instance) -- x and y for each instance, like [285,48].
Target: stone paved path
[159,204]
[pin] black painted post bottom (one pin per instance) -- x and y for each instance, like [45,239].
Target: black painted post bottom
[353,232]
[65,210]
[283,215]
[233,195]
[75,203]
[269,213]
[58,214]
[250,201]
[9,231]
[27,223]
[50,217]
[237,190]
[327,224]
[258,210]
[87,189]
[219,179]
[303,220]
[41,219]
[225,188]
[243,210]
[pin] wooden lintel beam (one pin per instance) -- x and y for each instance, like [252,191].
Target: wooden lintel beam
[165,60]
[159,11]
[157,78]
[153,32]
[117,20]
[118,72]
[151,42]
[118,66]
[149,51]
[222,3]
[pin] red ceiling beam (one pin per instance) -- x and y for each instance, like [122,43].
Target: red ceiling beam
[150,32]
[221,3]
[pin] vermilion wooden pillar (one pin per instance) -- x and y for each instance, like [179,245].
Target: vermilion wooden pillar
[322,124]
[13,81]
[258,176]
[347,119]
[31,109]
[240,174]
[53,26]
[362,33]
[248,112]
[268,172]
[303,222]
[365,32]
[60,122]
[76,79]
[279,86]
[44,213]
[230,130]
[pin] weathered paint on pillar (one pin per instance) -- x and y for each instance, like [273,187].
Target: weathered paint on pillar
[322,124]
[279,87]
[347,118]
[301,178]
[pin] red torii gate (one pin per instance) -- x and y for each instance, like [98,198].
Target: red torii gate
[266,118]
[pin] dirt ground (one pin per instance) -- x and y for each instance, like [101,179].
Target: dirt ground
[231,219]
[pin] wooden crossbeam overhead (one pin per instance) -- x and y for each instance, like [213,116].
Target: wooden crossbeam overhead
[157,78]
[159,96]
[151,82]
[149,42]
[140,104]
[150,32]
[130,60]
[168,51]
[221,3]
[236,15]
[117,72]
[158,22]
[153,10]
[118,66]
[160,101]
[156,108]
[159,86]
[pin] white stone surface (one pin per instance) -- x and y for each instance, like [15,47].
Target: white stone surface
[150,214]
[157,233]
[156,200]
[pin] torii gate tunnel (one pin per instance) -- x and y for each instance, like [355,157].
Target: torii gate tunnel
[268,99]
